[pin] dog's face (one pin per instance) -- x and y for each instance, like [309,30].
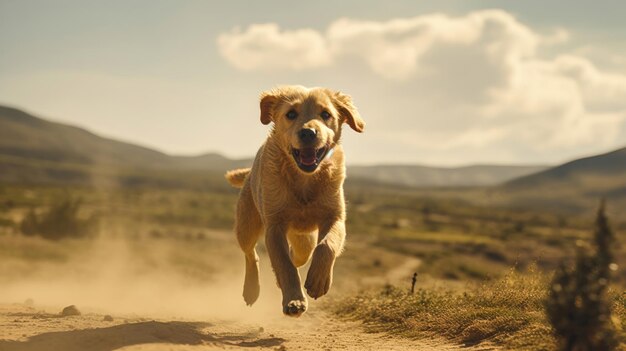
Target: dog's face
[307,122]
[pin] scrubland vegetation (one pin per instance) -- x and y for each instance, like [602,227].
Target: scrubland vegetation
[507,312]
[484,276]
[461,241]
[577,309]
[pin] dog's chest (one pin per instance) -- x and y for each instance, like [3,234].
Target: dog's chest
[302,209]
[305,217]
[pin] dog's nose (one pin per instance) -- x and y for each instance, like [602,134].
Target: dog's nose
[307,135]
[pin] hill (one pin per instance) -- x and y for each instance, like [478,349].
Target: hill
[423,176]
[575,185]
[36,150]
[25,136]
[608,167]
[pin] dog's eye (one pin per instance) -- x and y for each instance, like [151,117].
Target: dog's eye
[292,114]
[325,114]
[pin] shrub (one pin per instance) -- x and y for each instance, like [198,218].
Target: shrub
[578,306]
[60,221]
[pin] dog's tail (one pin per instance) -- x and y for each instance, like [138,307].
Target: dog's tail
[236,177]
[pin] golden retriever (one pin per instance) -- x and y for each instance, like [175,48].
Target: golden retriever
[294,192]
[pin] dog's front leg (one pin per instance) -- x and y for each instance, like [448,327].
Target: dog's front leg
[320,276]
[294,302]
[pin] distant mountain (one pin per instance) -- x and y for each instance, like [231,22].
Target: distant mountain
[25,136]
[36,150]
[609,167]
[424,176]
[575,185]
[209,161]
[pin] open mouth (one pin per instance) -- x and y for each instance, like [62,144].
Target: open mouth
[308,159]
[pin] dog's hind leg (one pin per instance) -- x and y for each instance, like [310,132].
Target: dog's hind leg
[248,227]
[301,247]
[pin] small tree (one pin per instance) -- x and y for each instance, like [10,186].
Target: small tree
[61,220]
[28,226]
[577,304]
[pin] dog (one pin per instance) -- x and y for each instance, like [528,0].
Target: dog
[294,192]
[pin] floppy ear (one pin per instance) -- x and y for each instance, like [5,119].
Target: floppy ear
[348,112]
[268,101]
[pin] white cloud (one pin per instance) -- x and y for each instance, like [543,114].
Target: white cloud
[479,81]
[392,49]
[264,46]
[396,49]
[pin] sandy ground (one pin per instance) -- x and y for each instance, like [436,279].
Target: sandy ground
[159,312]
[24,328]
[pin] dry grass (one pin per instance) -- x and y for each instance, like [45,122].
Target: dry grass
[508,312]
[461,241]
[619,315]
[454,241]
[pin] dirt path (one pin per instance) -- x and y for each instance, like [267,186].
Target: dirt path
[24,328]
[400,274]
[215,317]
[28,328]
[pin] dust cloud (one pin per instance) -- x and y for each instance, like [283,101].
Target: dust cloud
[134,267]
[146,277]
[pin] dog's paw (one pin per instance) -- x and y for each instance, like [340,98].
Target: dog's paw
[251,290]
[295,308]
[319,277]
[317,284]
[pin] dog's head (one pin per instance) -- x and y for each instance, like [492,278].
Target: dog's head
[307,122]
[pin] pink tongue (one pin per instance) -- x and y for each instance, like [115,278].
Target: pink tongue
[307,157]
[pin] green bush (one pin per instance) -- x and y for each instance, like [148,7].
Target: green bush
[59,221]
[578,305]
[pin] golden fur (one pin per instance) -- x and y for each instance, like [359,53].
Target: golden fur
[301,212]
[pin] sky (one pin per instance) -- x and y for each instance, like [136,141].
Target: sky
[443,83]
